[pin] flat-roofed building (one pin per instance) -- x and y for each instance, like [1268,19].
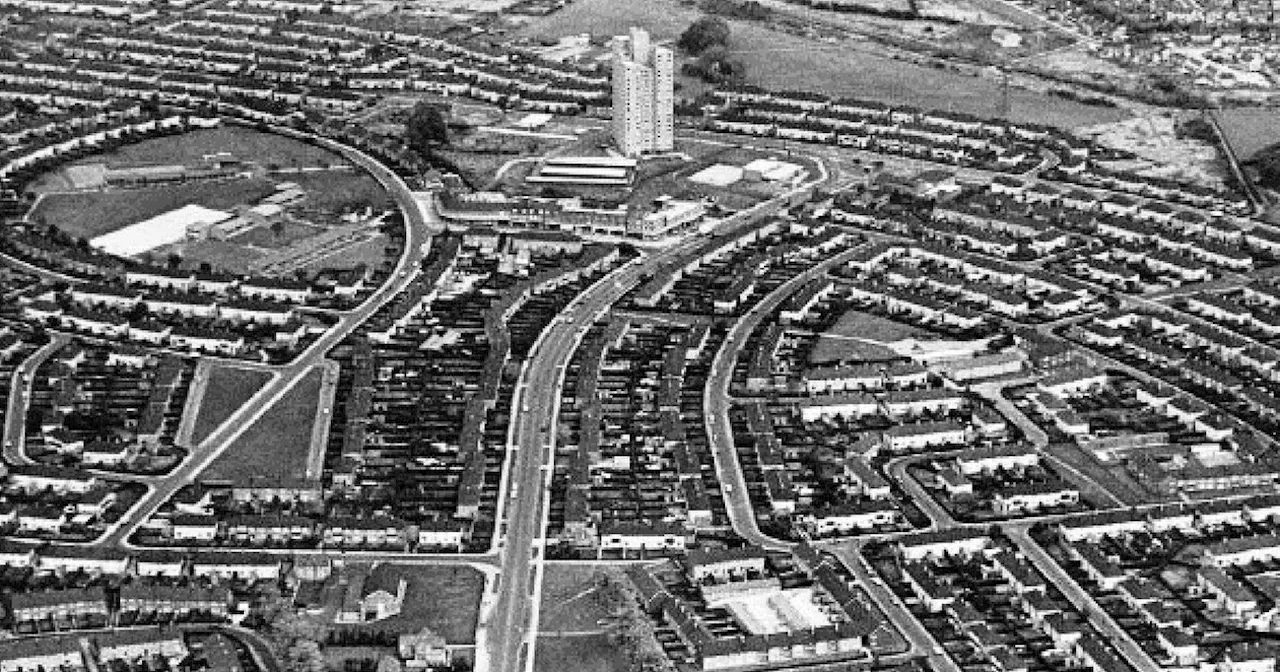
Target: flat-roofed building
[643,95]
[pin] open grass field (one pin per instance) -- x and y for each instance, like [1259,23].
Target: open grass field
[857,336]
[223,255]
[857,324]
[371,253]
[445,599]
[569,602]
[278,444]
[244,143]
[1250,129]
[829,350]
[579,653]
[91,214]
[665,19]
[782,61]
[340,191]
[225,390]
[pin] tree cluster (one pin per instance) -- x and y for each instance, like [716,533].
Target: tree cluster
[716,66]
[706,33]
[296,639]
[426,128]
[628,628]
[1266,164]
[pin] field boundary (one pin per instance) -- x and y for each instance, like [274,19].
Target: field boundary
[191,409]
[324,418]
[203,373]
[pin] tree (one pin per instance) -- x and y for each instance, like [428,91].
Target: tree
[706,32]
[716,66]
[425,128]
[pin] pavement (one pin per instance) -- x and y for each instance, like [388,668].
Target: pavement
[15,425]
[716,401]
[993,392]
[939,518]
[507,633]
[922,643]
[419,220]
[1083,601]
[509,643]
[320,428]
[510,638]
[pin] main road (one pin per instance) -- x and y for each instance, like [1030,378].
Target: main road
[510,638]
[420,219]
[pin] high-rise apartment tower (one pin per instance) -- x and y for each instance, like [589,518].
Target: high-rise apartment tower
[643,95]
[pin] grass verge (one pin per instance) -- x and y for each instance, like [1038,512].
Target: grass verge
[277,445]
[226,390]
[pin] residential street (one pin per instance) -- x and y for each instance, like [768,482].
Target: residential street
[717,400]
[15,425]
[922,643]
[1082,600]
[418,221]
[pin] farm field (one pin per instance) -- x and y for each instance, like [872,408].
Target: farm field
[782,61]
[1250,129]
[94,213]
[275,447]
[444,599]
[225,390]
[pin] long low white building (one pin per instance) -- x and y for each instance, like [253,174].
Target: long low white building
[164,229]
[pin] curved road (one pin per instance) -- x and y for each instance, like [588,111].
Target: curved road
[716,402]
[15,425]
[419,218]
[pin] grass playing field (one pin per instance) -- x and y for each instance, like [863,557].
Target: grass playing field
[93,213]
[243,143]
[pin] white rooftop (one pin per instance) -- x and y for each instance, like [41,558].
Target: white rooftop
[774,170]
[772,612]
[266,210]
[535,120]
[164,229]
[603,161]
[719,175]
